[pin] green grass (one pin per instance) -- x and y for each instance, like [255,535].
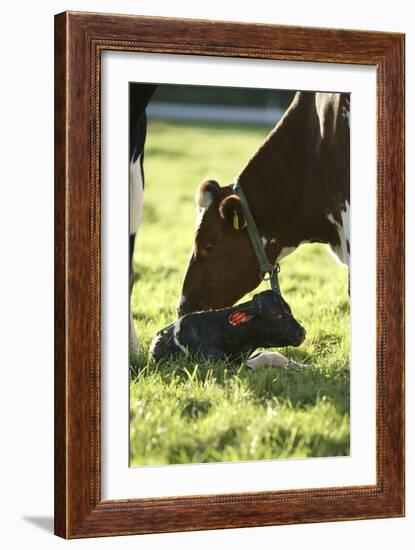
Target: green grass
[182,411]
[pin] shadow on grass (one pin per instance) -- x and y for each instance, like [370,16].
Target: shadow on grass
[302,388]
[298,387]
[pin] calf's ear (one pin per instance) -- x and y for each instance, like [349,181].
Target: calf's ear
[231,212]
[240,317]
[207,193]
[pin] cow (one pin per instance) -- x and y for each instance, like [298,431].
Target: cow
[139,97]
[297,186]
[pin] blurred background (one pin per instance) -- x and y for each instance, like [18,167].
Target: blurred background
[215,104]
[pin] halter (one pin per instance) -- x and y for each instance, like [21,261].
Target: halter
[268,271]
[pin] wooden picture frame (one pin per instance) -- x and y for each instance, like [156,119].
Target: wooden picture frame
[79,40]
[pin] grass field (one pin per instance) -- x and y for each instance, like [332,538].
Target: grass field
[198,412]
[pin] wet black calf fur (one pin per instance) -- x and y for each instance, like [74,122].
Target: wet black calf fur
[266,321]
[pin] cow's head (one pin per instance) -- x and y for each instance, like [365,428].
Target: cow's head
[223,266]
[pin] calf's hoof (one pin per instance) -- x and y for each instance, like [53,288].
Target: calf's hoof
[273,359]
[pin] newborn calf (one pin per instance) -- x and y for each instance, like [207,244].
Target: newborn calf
[265,321]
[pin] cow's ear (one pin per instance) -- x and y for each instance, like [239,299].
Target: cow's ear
[207,193]
[232,212]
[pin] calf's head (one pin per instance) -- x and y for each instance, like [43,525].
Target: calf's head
[223,266]
[271,321]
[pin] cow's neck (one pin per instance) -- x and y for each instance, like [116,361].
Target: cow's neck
[279,183]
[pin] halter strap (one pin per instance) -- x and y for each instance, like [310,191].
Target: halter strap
[268,271]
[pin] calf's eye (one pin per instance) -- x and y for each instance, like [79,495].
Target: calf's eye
[207,248]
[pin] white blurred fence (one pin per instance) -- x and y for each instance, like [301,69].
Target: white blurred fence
[214,113]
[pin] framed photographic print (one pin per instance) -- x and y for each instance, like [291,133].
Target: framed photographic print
[229,275]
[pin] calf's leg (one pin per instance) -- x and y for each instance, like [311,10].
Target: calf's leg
[272,359]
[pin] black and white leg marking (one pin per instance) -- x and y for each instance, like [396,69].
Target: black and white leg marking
[342,250]
[136,211]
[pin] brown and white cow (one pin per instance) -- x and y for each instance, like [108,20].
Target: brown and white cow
[297,185]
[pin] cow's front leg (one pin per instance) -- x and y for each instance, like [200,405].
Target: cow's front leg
[136,211]
[133,340]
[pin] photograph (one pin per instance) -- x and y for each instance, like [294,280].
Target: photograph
[239,239]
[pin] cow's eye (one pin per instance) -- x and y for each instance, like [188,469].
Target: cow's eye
[207,248]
